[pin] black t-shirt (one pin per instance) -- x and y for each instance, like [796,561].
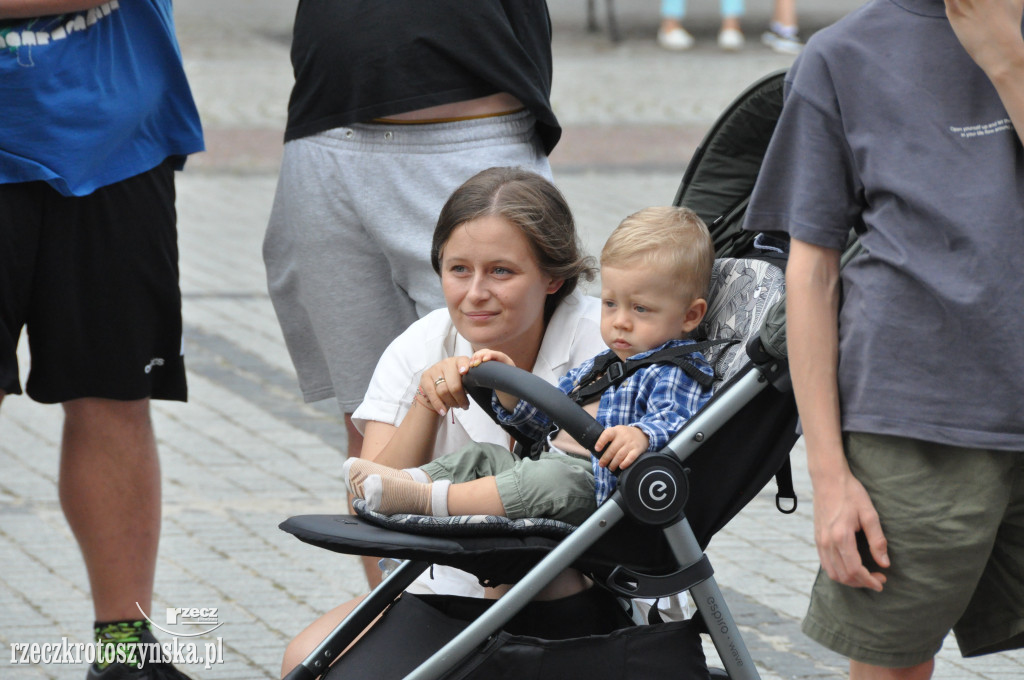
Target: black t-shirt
[356,60]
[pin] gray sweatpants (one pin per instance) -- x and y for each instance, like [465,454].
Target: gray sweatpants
[347,248]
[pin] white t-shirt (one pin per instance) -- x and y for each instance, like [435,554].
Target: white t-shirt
[573,335]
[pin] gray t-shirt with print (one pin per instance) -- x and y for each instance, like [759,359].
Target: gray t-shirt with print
[891,128]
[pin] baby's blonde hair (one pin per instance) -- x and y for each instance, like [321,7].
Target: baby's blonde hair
[673,239]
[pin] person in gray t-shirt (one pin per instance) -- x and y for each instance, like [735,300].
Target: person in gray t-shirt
[906,124]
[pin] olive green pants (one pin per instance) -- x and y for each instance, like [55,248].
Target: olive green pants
[954,522]
[556,485]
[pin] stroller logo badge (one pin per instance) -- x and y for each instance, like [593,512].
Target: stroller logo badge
[657,490]
[205,617]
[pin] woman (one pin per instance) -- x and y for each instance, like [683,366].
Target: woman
[506,249]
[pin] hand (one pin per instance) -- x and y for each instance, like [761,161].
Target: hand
[841,509]
[620,446]
[483,355]
[990,30]
[508,401]
[441,385]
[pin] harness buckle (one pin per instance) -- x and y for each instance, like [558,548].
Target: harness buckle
[615,371]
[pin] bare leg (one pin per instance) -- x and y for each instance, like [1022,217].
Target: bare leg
[305,642]
[110,493]
[669,24]
[355,439]
[785,12]
[371,567]
[862,671]
[478,497]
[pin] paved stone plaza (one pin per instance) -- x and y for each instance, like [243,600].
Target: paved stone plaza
[245,452]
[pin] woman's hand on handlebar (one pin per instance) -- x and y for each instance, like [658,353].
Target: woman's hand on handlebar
[441,385]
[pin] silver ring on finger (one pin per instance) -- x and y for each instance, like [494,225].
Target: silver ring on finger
[439,381]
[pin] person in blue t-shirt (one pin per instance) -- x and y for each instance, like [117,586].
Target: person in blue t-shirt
[655,273]
[98,117]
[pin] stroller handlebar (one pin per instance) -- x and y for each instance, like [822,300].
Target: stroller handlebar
[562,410]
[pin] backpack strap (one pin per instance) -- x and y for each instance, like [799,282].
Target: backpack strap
[609,370]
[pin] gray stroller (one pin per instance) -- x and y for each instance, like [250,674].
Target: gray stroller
[647,540]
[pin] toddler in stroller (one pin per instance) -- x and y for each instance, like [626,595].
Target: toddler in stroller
[656,269]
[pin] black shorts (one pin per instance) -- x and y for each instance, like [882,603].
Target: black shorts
[94,279]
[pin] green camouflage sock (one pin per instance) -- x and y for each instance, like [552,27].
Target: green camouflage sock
[116,640]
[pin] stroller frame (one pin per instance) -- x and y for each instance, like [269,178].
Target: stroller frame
[679,535]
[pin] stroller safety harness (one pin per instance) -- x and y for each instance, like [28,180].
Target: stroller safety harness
[610,371]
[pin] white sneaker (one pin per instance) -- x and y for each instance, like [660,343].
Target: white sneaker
[676,39]
[731,39]
[781,43]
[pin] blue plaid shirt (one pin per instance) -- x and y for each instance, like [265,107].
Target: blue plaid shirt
[658,399]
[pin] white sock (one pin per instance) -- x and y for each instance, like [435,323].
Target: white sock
[783,30]
[354,472]
[439,498]
[417,475]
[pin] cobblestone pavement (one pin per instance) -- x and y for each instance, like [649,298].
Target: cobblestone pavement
[245,452]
